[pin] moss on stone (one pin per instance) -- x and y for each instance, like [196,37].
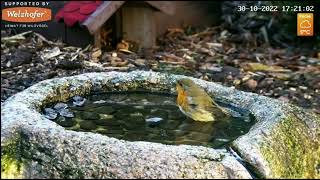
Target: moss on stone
[291,152]
[11,163]
[63,93]
[10,168]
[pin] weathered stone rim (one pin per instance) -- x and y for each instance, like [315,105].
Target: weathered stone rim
[61,89]
[21,111]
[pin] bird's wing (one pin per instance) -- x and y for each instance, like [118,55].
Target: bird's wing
[218,110]
[206,103]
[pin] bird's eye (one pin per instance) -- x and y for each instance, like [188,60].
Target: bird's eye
[180,83]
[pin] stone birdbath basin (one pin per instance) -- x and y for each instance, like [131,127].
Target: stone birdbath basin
[283,143]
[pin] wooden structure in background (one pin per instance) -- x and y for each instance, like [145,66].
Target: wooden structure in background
[134,20]
[194,13]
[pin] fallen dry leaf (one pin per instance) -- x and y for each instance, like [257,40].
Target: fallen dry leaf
[52,53]
[96,54]
[261,67]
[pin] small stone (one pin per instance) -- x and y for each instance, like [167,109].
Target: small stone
[292,89]
[267,82]
[69,65]
[154,120]
[252,84]
[50,113]
[89,115]
[66,113]
[21,56]
[8,64]
[78,100]
[88,125]
[303,87]
[226,71]
[307,96]
[65,122]
[60,106]
[99,102]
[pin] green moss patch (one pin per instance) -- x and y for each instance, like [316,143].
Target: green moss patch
[11,163]
[291,152]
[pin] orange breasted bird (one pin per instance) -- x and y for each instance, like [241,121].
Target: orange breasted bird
[195,103]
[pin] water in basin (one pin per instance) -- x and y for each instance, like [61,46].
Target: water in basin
[140,116]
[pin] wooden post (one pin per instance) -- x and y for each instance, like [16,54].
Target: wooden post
[118,25]
[97,38]
[139,25]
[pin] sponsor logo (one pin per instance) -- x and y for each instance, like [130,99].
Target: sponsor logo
[26,14]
